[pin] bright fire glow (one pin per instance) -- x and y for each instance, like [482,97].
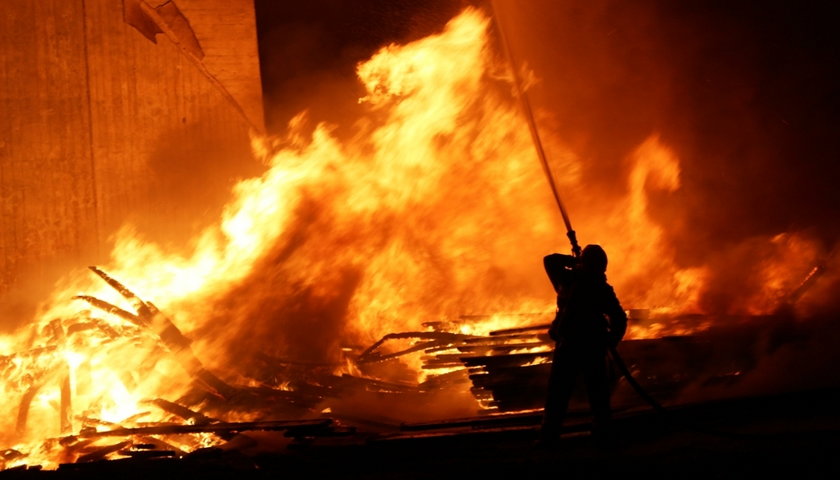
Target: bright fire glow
[436,209]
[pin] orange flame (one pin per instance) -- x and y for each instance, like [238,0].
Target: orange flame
[436,209]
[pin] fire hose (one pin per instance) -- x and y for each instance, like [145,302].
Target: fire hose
[535,136]
[618,361]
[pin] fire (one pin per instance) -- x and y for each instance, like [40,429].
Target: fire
[649,275]
[436,209]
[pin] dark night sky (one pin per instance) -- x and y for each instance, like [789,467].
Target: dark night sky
[745,92]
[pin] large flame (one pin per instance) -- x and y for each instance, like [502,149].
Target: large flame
[437,209]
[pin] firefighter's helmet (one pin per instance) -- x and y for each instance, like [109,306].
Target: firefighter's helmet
[594,258]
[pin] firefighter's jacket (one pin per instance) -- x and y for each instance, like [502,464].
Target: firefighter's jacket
[588,311]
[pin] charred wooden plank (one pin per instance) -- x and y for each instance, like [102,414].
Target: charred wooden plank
[144,311]
[500,339]
[297,426]
[543,327]
[501,348]
[433,339]
[511,360]
[443,357]
[434,365]
[90,422]
[23,407]
[182,411]
[147,453]
[92,324]
[387,356]
[148,314]
[112,309]
[487,421]
[507,315]
[101,452]
[160,445]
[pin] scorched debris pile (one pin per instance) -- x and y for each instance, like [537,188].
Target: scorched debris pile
[507,371]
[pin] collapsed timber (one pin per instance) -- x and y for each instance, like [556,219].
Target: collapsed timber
[506,371]
[284,391]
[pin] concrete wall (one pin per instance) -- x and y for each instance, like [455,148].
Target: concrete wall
[118,111]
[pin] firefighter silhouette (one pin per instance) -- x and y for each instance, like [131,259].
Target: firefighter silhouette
[589,321]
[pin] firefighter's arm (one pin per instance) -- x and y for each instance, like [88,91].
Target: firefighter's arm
[558,267]
[617,316]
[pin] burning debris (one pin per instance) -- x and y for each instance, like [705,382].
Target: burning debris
[507,371]
[414,222]
[163,428]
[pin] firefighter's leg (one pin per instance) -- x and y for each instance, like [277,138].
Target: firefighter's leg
[596,376]
[561,384]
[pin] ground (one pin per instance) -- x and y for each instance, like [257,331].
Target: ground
[794,434]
